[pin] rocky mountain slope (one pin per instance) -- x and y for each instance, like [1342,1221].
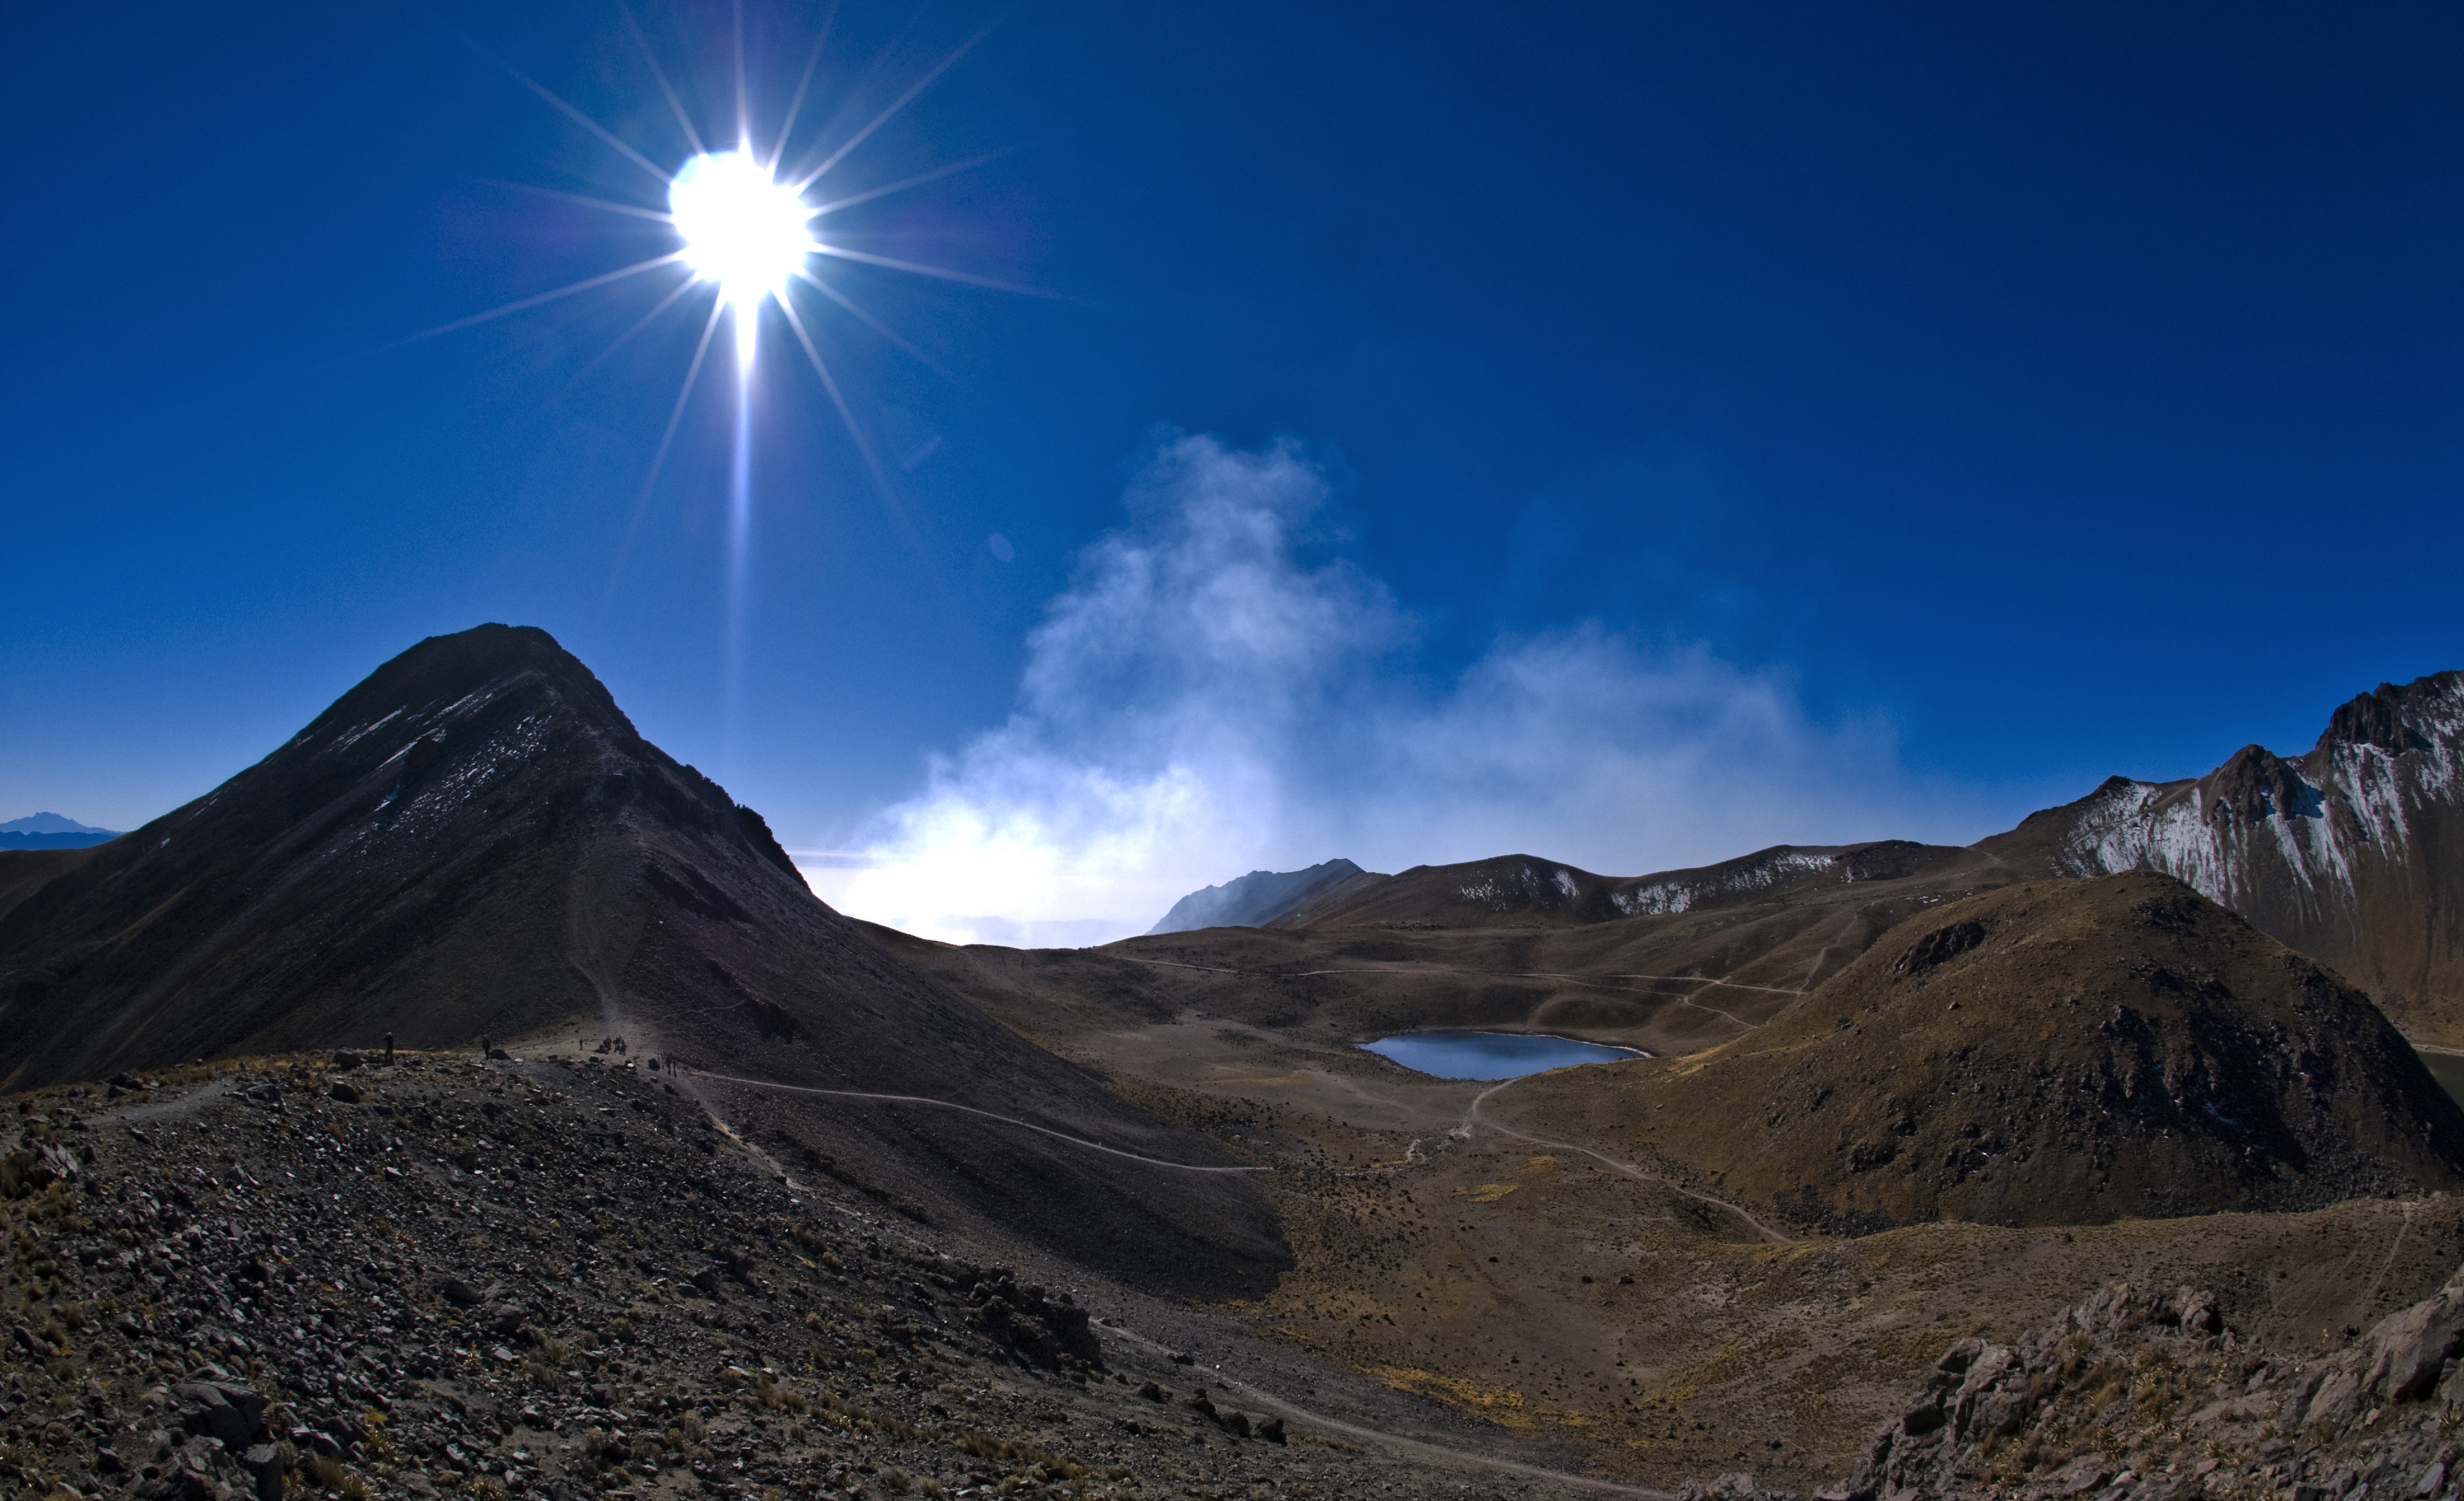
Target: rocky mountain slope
[2149,1394]
[476,842]
[1521,891]
[2352,854]
[443,1277]
[1252,900]
[2055,1053]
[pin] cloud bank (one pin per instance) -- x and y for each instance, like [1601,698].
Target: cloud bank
[1219,691]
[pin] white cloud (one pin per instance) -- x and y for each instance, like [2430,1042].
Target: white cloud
[1216,693]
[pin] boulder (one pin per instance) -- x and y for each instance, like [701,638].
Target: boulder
[2407,1348]
[213,1405]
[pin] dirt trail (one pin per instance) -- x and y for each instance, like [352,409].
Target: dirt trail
[1422,967]
[1472,1117]
[1416,1448]
[918,1099]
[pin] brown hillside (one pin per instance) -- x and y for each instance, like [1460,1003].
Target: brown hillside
[2059,1052]
[1669,982]
[25,872]
[477,841]
[1521,891]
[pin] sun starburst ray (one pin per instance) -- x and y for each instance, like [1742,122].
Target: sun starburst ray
[676,414]
[897,104]
[692,137]
[804,86]
[571,113]
[743,99]
[822,369]
[525,303]
[609,205]
[904,184]
[640,324]
[870,321]
[666,438]
[922,270]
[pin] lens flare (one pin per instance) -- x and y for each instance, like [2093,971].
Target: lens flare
[741,229]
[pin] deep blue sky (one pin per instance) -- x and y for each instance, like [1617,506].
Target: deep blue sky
[2061,390]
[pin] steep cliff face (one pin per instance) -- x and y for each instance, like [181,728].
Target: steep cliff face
[2353,854]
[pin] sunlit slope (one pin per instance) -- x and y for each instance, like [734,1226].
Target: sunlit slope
[475,841]
[2352,854]
[2059,1052]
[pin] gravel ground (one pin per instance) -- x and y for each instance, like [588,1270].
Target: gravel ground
[560,1279]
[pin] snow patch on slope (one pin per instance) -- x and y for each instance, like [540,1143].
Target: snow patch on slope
[2356,798]
[1668,897]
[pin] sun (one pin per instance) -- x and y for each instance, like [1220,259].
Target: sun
[746,236]
[741,229]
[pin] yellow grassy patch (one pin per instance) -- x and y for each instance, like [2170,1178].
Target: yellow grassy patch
[1486,1193]
[1502,1404]
[1538,1167]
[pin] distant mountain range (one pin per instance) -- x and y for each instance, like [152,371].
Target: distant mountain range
[2352,854]
[51,831]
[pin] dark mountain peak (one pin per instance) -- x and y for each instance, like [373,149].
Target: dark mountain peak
[1894,859]
[2379,717]
[494,707]
[2254,784]
[445,678]
[405,863]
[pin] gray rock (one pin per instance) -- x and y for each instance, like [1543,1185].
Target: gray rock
[212,1403]
[264,1464]
[2338,1402]
[2406,1349]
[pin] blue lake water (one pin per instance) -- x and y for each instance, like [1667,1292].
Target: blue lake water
[1491,1055]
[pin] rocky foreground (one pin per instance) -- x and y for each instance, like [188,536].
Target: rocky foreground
[2146,1396]
[554,1279]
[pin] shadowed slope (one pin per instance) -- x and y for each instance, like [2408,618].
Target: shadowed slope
[2062,1053]
[475,841]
